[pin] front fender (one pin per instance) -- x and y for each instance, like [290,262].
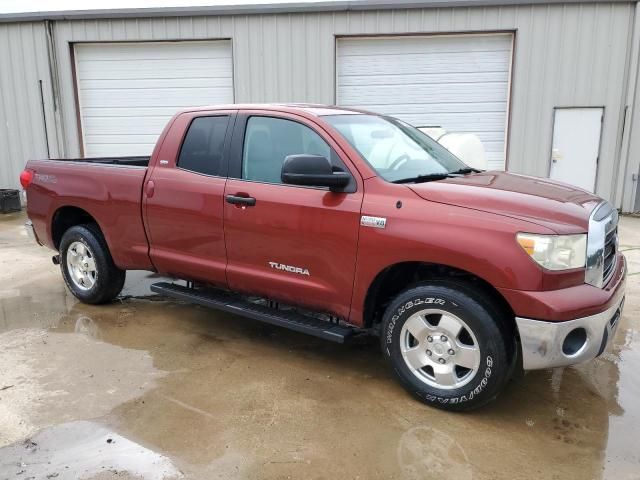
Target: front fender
[479,243]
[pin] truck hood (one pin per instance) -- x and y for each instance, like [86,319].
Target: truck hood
[554,205]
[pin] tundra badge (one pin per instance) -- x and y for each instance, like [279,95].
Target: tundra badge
[375,222]
[289,268]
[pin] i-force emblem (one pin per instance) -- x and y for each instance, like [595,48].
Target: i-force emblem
[375,222]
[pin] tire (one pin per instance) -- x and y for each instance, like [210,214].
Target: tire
[461,356]
[87,266]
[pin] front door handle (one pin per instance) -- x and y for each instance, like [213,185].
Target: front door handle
[242,201]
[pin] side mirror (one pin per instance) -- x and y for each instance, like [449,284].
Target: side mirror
[313,170]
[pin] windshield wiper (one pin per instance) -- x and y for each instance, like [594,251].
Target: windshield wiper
[423,178]
[464,171]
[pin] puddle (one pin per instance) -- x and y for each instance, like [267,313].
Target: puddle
[226,397]
[83,450]
[49,378]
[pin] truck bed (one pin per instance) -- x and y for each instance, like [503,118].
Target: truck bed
[139,161]
[109,189]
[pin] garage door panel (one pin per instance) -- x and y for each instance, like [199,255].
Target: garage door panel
[127,112]
[141,97]
[128,92]
[120,138]
[425,79]
[409,108]
[484,122]
[119,149]
[146,83]
[149,50]
[155,69]
[125,125]
[435,44]
[425,94]
[424,64]
[458,82]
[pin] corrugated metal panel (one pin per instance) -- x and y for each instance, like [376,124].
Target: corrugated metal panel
[459,82]
[23,61]
[565,55]
[628,192]
[127,92]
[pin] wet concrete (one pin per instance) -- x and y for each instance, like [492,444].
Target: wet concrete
[190,393]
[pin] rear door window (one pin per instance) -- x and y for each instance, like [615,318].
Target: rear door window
[203,147]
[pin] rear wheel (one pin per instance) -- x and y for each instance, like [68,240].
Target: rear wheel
[87,266]
[446,346]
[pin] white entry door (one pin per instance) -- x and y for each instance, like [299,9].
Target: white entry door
[576,143]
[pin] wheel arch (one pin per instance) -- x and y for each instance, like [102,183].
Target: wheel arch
[69,216]
[396,278]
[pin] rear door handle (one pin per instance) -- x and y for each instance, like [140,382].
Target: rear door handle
[243,201]
[151,188]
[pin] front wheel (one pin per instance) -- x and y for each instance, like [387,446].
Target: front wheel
[87,266]
[446,346]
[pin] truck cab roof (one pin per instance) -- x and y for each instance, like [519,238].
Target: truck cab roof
[311,109]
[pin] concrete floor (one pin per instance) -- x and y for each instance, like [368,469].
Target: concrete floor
[150,388]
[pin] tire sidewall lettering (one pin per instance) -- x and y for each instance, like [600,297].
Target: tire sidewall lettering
[407,305]
[480,385]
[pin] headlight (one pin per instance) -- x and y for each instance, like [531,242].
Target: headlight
[555,252]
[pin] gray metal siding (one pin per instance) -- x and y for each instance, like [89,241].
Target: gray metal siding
[23,62]
[565,55]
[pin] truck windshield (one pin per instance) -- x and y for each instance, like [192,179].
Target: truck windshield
[397,151]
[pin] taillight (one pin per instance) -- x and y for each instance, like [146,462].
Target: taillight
[26,177]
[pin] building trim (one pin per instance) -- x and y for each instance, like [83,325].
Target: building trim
[275,7]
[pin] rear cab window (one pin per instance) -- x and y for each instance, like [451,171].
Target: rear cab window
[202,150]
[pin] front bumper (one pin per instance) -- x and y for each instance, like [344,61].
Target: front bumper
[557,344]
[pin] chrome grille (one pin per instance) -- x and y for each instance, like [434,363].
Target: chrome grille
[610,248]
[602,245]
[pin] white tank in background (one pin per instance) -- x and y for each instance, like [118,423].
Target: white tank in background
[466,146]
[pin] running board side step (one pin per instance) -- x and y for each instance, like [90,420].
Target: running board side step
[228,302]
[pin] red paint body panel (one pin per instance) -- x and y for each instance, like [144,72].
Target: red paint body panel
[568,303]
[302,227]
[308,228]
[477,242]
[557,206]
[109,193]
[184,216]
[468,223]
[184,222]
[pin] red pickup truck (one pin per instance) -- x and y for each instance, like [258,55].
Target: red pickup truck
[336,222]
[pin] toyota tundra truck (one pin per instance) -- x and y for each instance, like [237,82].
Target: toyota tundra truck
[335,223]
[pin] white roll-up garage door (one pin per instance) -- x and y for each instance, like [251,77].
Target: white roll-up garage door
[459,82]
[128,91]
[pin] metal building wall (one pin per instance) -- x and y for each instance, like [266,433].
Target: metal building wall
[565,55]
[629,170]
[23,63]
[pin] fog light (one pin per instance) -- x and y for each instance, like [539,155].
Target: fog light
[574,341]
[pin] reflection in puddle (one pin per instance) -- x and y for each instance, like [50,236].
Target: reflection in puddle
[424,452]
[622,454]
[82,450]
[86,326]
